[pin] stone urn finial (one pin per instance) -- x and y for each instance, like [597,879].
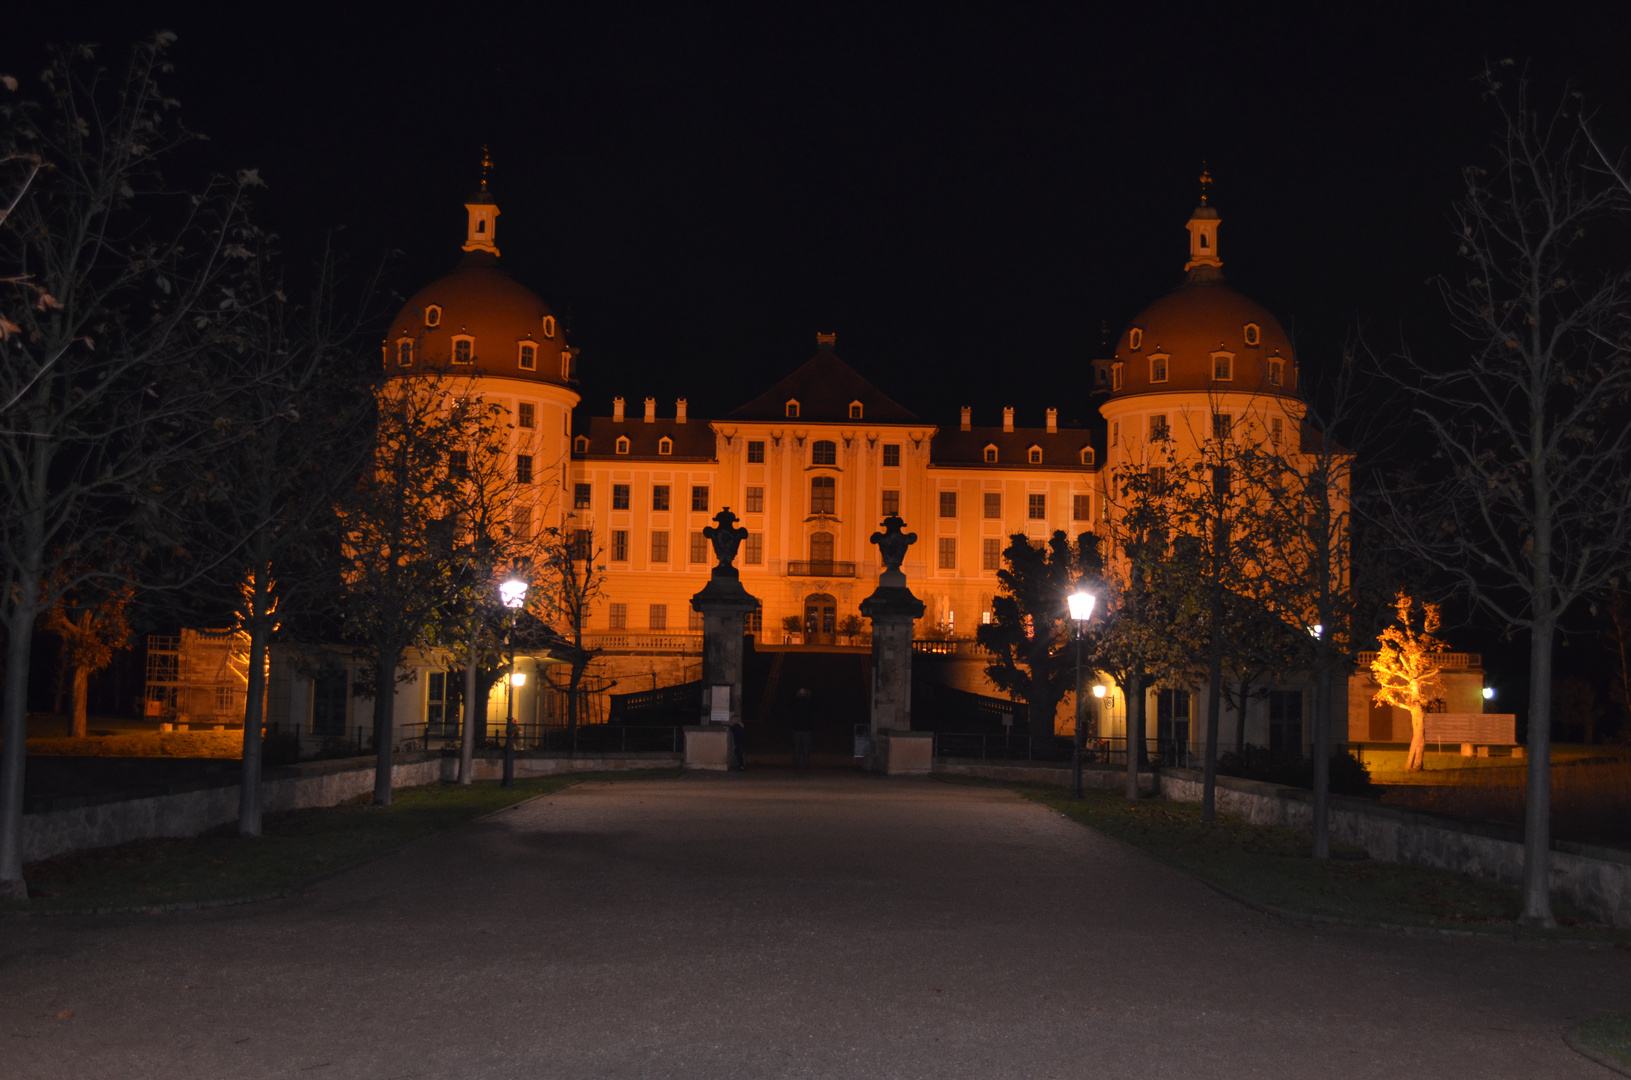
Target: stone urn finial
[727,538]
[892,544]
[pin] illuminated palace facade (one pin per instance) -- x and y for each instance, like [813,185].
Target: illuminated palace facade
[813,463]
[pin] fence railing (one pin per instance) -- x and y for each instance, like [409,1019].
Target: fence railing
[945,708]
[657,641]
[643,705]
[948,646]
[555,738]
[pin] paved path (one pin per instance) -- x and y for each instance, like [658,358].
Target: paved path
[768,926]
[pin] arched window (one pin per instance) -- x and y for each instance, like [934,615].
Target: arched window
[529,356]
[404,352]
[1277,371]
[823,452]
[823,495]
[855,410]
[821,547]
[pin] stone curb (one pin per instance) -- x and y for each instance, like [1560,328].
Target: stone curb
[1573,1042]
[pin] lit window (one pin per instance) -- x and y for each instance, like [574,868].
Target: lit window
[464,350]
[755,549]
[523,468]
[580,445]
[1081,508]
[1253,334]
[948,553]
[1087,455]
[855,410]
[990,455]
[620,496]
[529,356]
[699,497]
[948,504]
[1277,371]
[792,410]
[549,326]
[993,504]
[823,495]
[582,496]
[756,500]
[659,545]
[404,353]
[824,452]
[433,316]
[756,452]
[1158,427]
[1135,338]
[1223,367]
[622,444]
[891,455]
[526,414]
[891,502]
[1034,455]
[659,496]
[1115,376]
[990,553]
[665,445]
[699,548]
[1158,369]
[620,549]
[1036,507]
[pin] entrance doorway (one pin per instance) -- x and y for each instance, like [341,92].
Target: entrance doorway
[820,619]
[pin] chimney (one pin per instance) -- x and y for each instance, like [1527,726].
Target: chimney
[1053,421]
[651,410]
[679,411]
[826,341]
[968,417]
[1008,418]
[617,410]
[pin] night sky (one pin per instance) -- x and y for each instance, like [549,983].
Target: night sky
[963,193]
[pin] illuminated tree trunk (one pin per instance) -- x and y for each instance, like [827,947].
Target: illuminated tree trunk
[249,785]
[81,688]
[1418,739]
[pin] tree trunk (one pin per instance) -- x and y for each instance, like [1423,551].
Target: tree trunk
[1537,817]
[384,700]
[79,704]
[249,781]
[14,730]
[1418,739]
[1214,705]
[1133,690]
[467,733]
[1322,755]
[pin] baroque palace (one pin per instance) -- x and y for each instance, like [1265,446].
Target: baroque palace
[810,466]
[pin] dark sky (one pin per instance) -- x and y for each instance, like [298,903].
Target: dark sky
[963,193]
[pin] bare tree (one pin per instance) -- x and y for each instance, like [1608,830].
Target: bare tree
[1406,669]
[576,573]
[111,284]
[1532,508]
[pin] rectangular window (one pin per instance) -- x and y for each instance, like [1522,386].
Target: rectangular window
[1277,429]
[823,495]
[529,357]
[462,351]
[891,455]
[756,500]
[523,468]
[619,618]
[991,553]
[620,496]
[583,544]
[659,617]
[1222,425]
[521,523]
[1115,376]
[891,503]
[1036,507]
[756,452]
[1081,508]
[948,553]
[1277,372]
[1223,367]
[1220,480]
[620,545]
[755,548]
[948,504]
[699,497]
[699,548]
[526,415]
[1158,427]
[659,496]
[1158,369]
[582,496]
[659,545]
[696,621]
[458,463]
[993,504]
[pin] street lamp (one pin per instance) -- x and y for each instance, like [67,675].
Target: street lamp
[513,593]
[1081,609]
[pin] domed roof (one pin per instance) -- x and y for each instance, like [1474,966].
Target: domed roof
[479,316]
[1204,335]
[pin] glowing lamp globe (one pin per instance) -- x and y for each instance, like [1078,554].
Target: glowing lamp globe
[513,593]
[1081,605]
[518,679]
[1098,691]
[1489,693]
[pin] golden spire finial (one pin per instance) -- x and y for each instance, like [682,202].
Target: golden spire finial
[487,166]
[1206,182]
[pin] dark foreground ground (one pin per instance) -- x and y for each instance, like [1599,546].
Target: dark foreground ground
[768,925]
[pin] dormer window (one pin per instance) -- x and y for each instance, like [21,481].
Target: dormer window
[855,410]
[1115,377]
[549,326]
[1158,368]
[464,350]
[991,454]
[665,446]
[1223,366]
[1254,333]
[433,316]
[792,410]
[1135,338]
[580,445]
[622,444]
[529,356]
[1034,455]
[1087,455]
[566,365]
[404,352]
[1277,371]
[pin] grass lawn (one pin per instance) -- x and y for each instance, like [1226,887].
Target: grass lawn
[1609,1036]
[296,847]
[1271,866]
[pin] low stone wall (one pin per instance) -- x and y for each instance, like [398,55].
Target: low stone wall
[1053,775]
[492,768]
[1597,880]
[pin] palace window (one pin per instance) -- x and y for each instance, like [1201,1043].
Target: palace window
[855,410]
[659,617]
[622,444]
[948,504]
[821,547]
[620,496]
[696,621]
[1158,369]
[991,553]
[665,446]
[618,618]
[755,548]
[993,504]
[1036,507]
[464,350]
[659,496]
[1081,508]
[1220,480]
[1277,371]
[526,415]
[991,455]
[699,497]
[620,546]
[1034,455]
[1158,427]
[823,495]
[529,356]
[891,502]
[458,463]
[1223,425]
[580,445]
[583,545]
[1115,376]
[891,455]
[659,545]
[1223,367]
[792,410]
[756,452]
[1277,428]
[566,365]
[404,352]
[1135,338]
[549,326]
[1253,334]
[1087,455]
[433,316]
[1115,432]
[582,496]
[756,500]
[523,468]
[699,548]
[521,523]
[823,452]
[948,553]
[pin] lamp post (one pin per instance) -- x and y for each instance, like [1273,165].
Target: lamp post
[514,595]
[1081,610]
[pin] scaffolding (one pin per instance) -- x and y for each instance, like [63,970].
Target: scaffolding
[198,677]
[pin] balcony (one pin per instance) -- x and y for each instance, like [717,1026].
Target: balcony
[636,641]
[820,568]
[1447,661]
